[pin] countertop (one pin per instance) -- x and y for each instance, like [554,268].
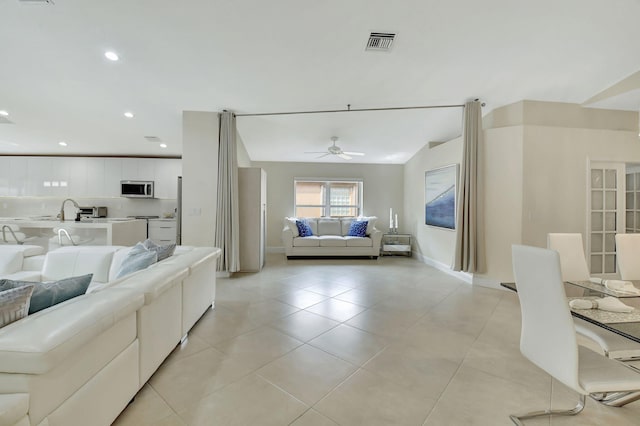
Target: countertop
[52,222]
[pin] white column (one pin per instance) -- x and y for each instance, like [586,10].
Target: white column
[200,135]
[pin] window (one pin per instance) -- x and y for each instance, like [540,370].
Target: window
[336,198]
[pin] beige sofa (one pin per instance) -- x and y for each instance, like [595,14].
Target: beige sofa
[330,239]
[82,361]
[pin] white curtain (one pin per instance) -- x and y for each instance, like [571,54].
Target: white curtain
[469,252]
[227,208]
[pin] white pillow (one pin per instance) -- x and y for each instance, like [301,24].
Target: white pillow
[371,222]
[291,223]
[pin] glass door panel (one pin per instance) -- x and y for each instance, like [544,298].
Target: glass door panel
[607,216]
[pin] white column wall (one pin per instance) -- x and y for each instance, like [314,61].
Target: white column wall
[200,135]
[503,197]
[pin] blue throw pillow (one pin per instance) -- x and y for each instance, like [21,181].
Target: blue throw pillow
[163,251]
[303,228]
[51,293]
[138,258]
[358,228]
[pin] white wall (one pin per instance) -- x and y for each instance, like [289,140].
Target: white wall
[536,172]
[382,186]
[502,199]
[431,242]
[199,177]
[243,156]
[555,175]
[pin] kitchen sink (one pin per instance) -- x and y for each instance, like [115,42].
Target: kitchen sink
[44,218]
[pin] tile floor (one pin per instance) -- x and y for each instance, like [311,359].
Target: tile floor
[355,342]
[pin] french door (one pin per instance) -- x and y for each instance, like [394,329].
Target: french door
[605,206]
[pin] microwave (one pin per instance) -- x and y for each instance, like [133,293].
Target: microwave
[136,188]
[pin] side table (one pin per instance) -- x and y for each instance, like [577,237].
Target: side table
[395,244]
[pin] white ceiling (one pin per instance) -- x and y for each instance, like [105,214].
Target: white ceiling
[287,55]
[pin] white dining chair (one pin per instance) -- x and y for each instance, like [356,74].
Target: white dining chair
[573,266]
[548,337]
[572,261]
[628,255]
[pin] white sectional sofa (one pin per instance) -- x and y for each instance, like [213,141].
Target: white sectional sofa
[19,262]
[80,362]
[330,239]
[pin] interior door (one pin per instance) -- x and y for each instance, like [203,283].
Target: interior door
[605,204]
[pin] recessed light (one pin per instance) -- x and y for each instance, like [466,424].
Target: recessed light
[128,114]
[62,143]
[163,145]
[4,113]
[112,56]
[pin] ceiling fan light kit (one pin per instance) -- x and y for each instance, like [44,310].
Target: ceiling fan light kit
[337,151]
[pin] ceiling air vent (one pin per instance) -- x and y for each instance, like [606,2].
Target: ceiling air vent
[380,41]
[153,139]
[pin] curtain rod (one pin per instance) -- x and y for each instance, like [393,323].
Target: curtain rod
[348,110]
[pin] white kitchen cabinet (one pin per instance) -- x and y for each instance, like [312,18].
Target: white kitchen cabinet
[95,177]
[39,172]
[5,176]
[145,168]
[166,172]
[85,177]
[18,181]
[77,183]
[129,168]
[252,203]
[60,170]
[112,176]
[162,231]
[137,168]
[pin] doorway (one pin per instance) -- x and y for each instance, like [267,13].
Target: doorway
[606,217]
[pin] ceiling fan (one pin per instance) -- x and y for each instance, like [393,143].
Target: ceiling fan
[336,150]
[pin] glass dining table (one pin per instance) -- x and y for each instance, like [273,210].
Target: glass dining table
[624,324]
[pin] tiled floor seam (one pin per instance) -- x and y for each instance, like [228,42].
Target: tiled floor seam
[307,341]
[453,376]
[314,406]
[165,401]
[345,360]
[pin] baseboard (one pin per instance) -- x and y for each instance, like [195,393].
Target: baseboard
[463,276]
[223,274]
[488,282]
[467,277]
[275,249]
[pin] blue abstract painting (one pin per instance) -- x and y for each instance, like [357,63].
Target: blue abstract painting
[440,197]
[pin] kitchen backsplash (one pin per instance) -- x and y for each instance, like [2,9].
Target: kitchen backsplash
[116,207]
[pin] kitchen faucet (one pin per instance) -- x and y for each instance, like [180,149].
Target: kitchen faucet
[61,215]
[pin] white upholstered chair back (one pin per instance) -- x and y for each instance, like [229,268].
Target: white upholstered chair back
[548,337]
[628,254]
[572,261]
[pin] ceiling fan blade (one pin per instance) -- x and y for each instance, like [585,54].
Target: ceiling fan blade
[353,153]
[321,156]
[344,156]
[315,152]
